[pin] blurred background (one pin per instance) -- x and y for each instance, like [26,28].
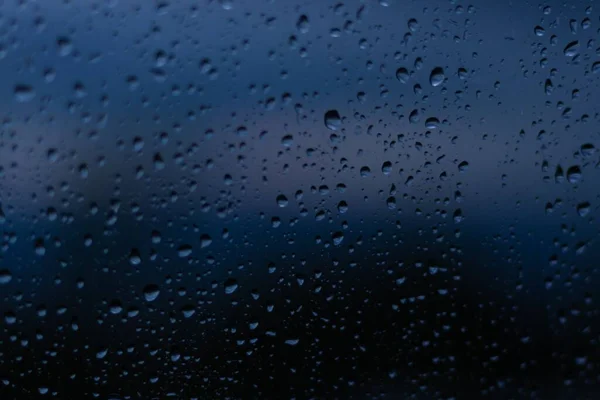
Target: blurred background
[299,199]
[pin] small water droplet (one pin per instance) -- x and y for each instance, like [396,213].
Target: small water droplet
[414,117]
[432,123]
[5,276]
[333,120]
[184,250]
[402,75]
[230,286]
[205,240]
[437,77]
[151,292]
[282,201]
[386,168]
[303,25]
[539,31]
[134,257]
[24,93]
[572,49]
[65,47]
[583,209]
[574,174]
[338,238]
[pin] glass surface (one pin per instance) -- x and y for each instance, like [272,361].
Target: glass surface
[299,199]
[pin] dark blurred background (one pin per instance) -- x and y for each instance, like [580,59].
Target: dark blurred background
[299,199]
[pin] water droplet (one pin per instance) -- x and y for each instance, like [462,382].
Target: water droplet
[414,117]
[49,75]
[115,307]
[413,25]
[338,238]
[583,209]
[188,311]
[151,292]
[572,49]
[402,75]
[230,286]
[457,216]
[226,4]
[386,168]
[333,120]
[158,162]
[588,150]
[184,250]
[282,201]
[101,353]
[138,144]
[134,257]
[65,47]
[132,82]
[24,93]
[205,240]
[437,77]
[160,59]
[573,26]
[539,31]
[287,141]
[5,276]
[303,25]
[39,247]
[548,87]
[432,123]
[83,171]
[574,174]
[391,203]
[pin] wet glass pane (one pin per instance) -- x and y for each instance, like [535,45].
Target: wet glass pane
[303,199]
